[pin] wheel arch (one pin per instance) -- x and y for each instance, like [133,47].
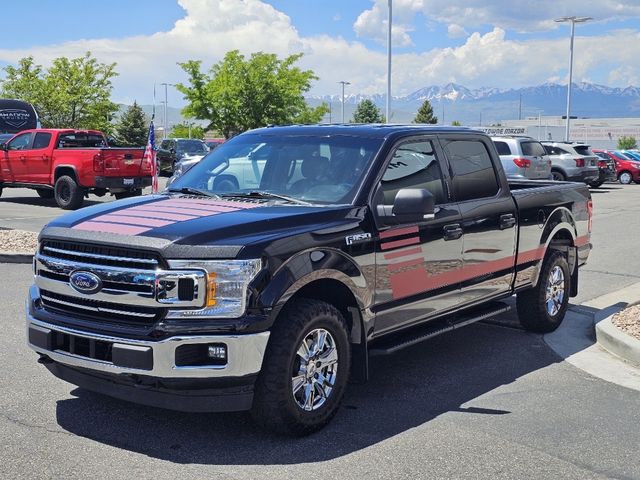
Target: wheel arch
[62,170]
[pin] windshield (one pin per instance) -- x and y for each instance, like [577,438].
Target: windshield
[192,146]
[314,169]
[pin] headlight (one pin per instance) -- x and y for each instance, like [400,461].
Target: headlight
[227,283]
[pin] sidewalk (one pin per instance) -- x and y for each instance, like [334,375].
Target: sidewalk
[580,340]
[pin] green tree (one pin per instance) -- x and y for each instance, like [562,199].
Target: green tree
[182,130]
[627,143]
[456,123]
[425,114]
[72,93]
[132,128]
[239,93]
[367,112]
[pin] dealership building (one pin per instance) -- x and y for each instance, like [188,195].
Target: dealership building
[597,132]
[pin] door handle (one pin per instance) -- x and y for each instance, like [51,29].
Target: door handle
[507,221]
[452,232]
[22,157]
[45,157]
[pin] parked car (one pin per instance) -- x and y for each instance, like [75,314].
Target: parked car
[357,240]
[172,150]
[573,162]
[523,156]
[607,169]
[183,166]
[214,143]
[69,164]
[627,169]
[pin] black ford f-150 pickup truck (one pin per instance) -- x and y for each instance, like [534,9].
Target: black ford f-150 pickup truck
[266,276]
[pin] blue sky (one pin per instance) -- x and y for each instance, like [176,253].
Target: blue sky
[504,44]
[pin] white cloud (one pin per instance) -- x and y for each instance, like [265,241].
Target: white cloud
[210,28]
[456,31]
[516,15]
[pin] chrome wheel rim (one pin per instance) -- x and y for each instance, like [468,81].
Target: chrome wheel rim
[315,370]
[625,178]
[555,291]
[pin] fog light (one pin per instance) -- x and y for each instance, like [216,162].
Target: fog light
[217,351]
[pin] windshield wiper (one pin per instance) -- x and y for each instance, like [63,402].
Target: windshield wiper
[261,194]
[194,191]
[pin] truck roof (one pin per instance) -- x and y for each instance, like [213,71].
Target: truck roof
[63,130]
[369,130]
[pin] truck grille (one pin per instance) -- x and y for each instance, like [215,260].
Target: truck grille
[101,255]
[132,287]
[99,311]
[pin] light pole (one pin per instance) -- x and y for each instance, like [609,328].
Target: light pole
[164,120]
[343,84]
[388,106]
[573,21]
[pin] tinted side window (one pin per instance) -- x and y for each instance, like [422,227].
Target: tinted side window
[502,147]
[555,150]
[21,142]
[42,140]
[532,149]
[414,165]
[583,150]
[473,173]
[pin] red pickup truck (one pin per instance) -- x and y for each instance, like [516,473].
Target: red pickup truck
[69,164]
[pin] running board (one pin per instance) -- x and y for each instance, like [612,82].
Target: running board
[398,341]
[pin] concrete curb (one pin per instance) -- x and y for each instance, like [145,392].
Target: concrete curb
[610,337]
[16,257]
[617,342]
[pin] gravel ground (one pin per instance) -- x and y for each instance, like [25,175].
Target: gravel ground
[18,241]
[628,321]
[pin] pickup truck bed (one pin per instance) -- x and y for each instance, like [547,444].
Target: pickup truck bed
[334,243]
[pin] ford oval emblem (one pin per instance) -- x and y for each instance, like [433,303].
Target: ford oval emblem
[85,282]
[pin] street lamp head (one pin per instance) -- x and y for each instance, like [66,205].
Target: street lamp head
[573,19]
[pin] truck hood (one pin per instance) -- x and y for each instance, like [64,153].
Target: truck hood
[195,227]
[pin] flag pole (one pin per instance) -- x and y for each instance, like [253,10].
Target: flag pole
[149,152]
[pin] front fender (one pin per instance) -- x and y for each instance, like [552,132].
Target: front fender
[313,265]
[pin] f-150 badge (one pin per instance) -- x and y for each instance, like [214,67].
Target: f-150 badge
[357,238]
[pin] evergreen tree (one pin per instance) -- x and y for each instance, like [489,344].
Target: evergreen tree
[456,123]
[425,114]
[132,127]
[367,112]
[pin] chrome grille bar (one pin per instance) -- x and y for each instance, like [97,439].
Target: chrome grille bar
[97,309]
[96,256]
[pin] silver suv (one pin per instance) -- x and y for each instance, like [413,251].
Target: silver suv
[523,156]
[573,162]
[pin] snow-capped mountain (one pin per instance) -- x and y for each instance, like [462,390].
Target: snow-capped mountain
[483,105]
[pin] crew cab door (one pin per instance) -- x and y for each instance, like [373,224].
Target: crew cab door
[416,261]
[39,159]
[489,217]
[14,168]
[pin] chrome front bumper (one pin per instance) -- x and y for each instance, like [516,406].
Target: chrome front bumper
[244,352]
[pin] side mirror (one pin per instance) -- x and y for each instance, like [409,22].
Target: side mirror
[3,146]
[410,205]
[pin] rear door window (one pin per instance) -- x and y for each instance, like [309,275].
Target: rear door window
[551,150]
[502,147]
[533,149]
[42,140]
[583,150]
[473,172]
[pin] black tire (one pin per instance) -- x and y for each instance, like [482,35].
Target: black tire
[558,176]
[595,184]
[226,183]
[274,406]
[44,193]
[533,310]
[68,194]
[130,193]
[625,178]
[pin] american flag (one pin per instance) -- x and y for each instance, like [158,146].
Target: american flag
[150,156]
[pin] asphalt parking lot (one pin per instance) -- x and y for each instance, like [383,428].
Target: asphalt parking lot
[486,401]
